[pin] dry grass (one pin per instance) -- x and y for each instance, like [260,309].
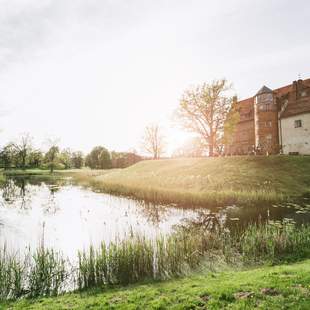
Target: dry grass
[206,181]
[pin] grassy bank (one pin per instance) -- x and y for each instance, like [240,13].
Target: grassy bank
[26,172]
[280,287]
[137,259]
[207,181]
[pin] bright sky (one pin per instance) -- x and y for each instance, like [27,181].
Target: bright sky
[96,72]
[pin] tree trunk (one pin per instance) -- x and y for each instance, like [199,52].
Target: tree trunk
[24,162]
[211,145]
[211,149]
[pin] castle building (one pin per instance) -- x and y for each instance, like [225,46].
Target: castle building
[273,121]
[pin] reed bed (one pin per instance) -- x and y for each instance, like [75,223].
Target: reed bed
[42,273]
[137,258]
[191,182]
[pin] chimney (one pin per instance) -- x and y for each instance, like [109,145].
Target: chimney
[295,92]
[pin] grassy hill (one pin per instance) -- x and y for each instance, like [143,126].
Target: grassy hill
[207,181]
[280,287]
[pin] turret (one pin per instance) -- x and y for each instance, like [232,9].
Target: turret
[266,121]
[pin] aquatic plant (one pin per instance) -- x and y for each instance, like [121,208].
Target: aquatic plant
[137,258]
[11,275]
[47,273]
[273,240]
[42,273]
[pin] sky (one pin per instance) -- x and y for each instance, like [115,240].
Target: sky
[96,72]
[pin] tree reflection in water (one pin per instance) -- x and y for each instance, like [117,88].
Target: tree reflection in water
[19,192]
[206,220]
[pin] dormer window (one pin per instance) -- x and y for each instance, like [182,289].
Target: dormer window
[298,123]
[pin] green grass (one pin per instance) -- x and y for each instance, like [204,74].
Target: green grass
[42,273]
[26,172]
[207,181]
[206,290]
[137,259]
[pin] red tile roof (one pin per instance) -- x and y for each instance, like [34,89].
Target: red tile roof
[295,107]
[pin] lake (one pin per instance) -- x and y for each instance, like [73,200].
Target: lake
[70,217]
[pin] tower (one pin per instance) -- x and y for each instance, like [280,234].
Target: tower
[266,121]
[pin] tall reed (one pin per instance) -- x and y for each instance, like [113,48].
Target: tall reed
[273,240]
[11,275]
[137,258]
[42,273]
[47,273]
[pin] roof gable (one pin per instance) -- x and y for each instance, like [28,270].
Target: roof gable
[264,90]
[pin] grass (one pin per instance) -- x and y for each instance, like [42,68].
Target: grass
[277,287]
[137,259]
[42,273]
[207,181]
[26,172]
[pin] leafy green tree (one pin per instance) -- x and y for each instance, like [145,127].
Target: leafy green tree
[7,156]
[232,119]
[104,159]
[203,110]
[23,148]
[35,158]
[99,158]
[65,158]
[51,157]
[77,160]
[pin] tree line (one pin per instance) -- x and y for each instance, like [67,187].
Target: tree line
[207,110]
[23,155]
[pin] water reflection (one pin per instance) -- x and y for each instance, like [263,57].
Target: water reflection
[74,217]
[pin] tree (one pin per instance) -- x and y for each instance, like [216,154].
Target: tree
[104,159]
[232,119]
[7,155]
[65,158]
[35,158]
[203,110]
[98,158]
[51,157]
[124,159]
[153,141]
[77,160]
[23,148]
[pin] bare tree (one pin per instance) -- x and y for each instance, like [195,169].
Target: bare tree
[23,148]
[203,110]
[153,141]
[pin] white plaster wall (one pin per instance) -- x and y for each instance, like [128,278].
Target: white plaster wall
[296,139]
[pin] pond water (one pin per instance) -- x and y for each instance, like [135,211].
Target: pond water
[70,217]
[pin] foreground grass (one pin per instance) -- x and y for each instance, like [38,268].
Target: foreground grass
[45,272]
[207,181]
[280,287]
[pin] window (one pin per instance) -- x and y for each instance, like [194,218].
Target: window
[268,124]
[264,98]
[298,123]
[303,93]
